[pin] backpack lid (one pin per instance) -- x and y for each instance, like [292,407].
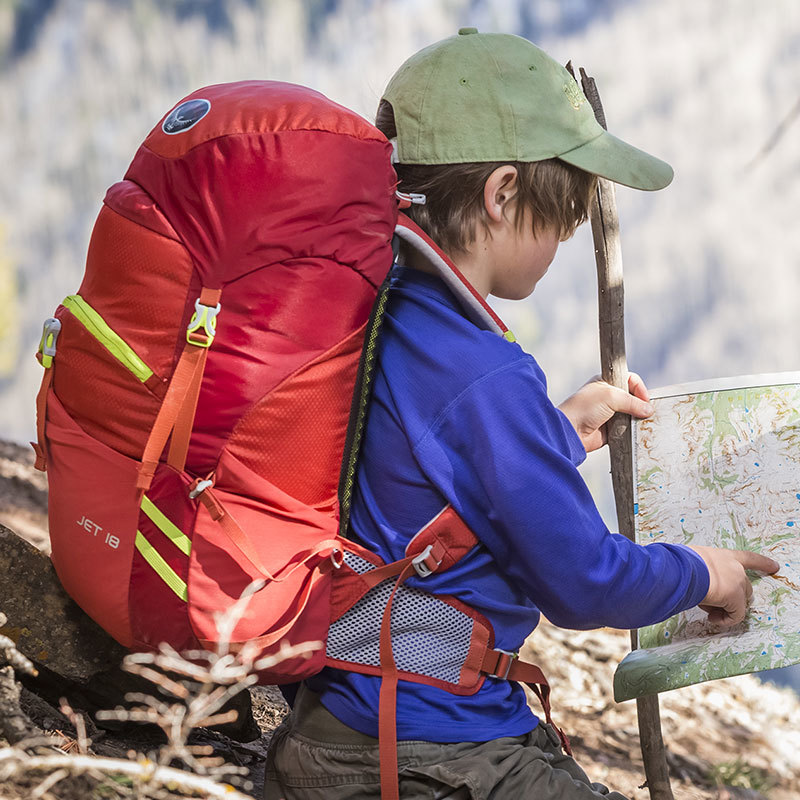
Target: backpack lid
[248,174]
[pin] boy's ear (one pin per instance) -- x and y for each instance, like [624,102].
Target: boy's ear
[499,190]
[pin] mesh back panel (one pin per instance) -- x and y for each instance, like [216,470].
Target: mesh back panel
[356,563]
[429,637]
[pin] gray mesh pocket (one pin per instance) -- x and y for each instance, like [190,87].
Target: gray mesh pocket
[429,637]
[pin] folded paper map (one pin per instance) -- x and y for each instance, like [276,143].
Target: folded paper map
[718,463]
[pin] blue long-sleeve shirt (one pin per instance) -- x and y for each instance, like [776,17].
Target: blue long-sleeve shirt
[460,415]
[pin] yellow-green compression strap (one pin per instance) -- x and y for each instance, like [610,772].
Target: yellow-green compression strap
[104,334]
[166,526]
[164,570]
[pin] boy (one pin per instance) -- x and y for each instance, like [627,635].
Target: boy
[505,148]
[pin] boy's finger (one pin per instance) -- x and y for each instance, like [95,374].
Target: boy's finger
[735,609]
[735,614]
[725,616]
[630,404]
[750,560]
[636,386]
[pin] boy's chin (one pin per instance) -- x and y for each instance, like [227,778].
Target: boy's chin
[516,293]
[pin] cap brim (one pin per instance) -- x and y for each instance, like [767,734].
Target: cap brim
[620,162]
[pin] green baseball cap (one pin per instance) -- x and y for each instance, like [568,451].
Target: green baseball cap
[496,97]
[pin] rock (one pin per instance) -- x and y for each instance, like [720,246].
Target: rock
[46,624]
[739,793]
[23,494]
[75,656]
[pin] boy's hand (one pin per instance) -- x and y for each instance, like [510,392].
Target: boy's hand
[597,401]
[729,588]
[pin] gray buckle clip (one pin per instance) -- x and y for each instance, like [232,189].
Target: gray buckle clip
[47,346]
[512,657]
[200,488]
[418,562]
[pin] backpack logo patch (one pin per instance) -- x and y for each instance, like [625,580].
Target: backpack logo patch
[185,116]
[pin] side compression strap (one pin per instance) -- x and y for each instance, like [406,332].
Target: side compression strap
[45,356]
[506,666]
[324,548]
[41,416]
[162,568]
[358,408]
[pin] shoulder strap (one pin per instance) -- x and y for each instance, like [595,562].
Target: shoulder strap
[478,310]
[361,396]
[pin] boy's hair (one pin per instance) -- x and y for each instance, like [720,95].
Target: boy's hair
[465,105]
[556,193]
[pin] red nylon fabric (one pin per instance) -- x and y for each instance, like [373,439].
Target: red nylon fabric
[93,567]
[137,278]
[449,534]
[280,530]
[294,211]
[284,201]
[239,108]
[107,401]
[271,181]
[157,613]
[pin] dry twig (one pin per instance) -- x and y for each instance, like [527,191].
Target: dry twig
[190,691]
[82,741]
[209,681]
[15,762]
[15,727]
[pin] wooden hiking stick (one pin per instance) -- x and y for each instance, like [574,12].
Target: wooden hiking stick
[608,255]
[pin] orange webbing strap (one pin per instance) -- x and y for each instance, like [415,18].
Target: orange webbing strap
[41,415]
[387,704]
[240,540]
[192,360]
[184,421]
[180,401]
[499,664]
[273,637]
[429,560]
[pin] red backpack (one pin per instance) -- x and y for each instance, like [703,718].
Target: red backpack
[205,392]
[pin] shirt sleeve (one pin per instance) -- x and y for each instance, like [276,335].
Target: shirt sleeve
[506,459]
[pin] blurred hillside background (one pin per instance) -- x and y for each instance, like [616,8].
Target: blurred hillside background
[711,264]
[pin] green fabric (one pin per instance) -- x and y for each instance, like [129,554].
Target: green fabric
[480,97]
[313,756]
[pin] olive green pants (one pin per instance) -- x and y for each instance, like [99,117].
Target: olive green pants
[313,756]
